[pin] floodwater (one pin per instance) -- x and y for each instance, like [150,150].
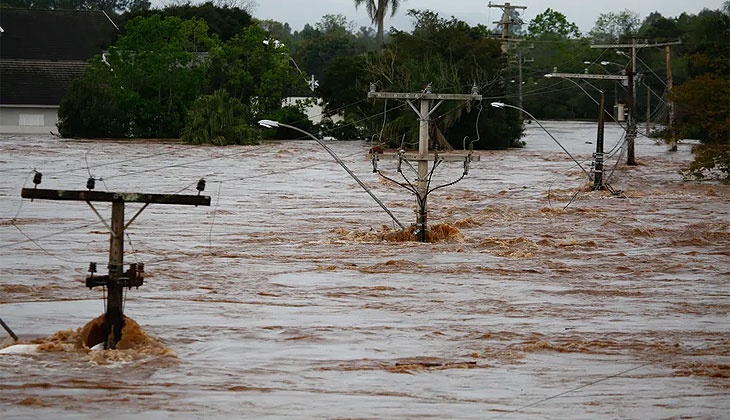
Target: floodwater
[285,298]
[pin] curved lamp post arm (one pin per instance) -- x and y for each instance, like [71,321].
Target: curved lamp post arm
[502,105]
[274,124]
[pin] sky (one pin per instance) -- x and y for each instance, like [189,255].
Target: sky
[583,13]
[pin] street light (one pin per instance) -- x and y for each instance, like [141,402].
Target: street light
[503,105]
[277,124]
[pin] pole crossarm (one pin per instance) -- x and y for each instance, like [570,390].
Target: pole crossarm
[427,96]
[446,157]
[658,44]
[589,76]
[115,197]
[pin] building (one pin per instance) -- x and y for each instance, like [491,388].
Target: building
[41,53]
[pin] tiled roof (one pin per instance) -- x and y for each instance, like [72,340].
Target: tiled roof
[33,34]
[37,82]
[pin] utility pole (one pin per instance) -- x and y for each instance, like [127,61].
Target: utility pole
[648,109]
[631,131]
[631,124]
[116,280]
[670,85]
[598,156]
[506,22]
[424,111]
[520,62]
[598,180]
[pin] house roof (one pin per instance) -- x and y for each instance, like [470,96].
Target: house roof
[37,82]
[31,34]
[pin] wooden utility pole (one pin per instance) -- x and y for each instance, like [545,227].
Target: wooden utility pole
[648,110]
[598,181]
[631,124]
[506,21]
[631,131]
[424,111]
[117,279]
[670,85]
[598,156]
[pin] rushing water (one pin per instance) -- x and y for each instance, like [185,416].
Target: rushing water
[285,298]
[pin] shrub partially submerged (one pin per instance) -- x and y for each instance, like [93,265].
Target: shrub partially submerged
[218,119]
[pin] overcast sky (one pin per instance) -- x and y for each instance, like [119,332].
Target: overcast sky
[583,13]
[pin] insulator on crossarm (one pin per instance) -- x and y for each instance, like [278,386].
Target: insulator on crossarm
[201,186]
[92,267]
[37,178]
[90,183]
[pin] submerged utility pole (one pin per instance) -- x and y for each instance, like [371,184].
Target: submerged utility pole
[117,279]
[424,111]
[631,132]
[598,156]
[670,85]
[598,180]
[631,124]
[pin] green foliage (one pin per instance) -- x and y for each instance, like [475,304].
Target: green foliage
[615,26]
[332,37]
[703,107]
[710,160]
[552,24]
[159,72]
[106,5]
[452,56]
[158,68]
[254,70]
[90,108]
[220,120]
[223,21]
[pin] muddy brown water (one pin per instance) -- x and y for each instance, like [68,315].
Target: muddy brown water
[286,298]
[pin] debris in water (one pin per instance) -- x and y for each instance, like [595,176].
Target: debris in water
[442,232]
[134,344]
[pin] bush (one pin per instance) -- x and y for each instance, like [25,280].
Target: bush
[220,120]
[710,159]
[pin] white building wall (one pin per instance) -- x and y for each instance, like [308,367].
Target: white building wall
[28,119]
[314,112]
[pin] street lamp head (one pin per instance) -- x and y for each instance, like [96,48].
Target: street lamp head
[498,104]
[605,63]
[619,52]
[549,75]
[269,123]
[587,62]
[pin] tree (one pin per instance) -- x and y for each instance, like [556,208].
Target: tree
[377,9]
[222,19]
[253,70]
[330,38]
[451,56]
[552,24]
[220,120]
[615,26]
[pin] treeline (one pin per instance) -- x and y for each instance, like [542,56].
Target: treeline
[207,73]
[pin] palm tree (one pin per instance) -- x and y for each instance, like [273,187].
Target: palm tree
[377,9]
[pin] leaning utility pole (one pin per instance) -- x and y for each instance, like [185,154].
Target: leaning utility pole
[423,156]
[631,132]
[506,22]
[116,280]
